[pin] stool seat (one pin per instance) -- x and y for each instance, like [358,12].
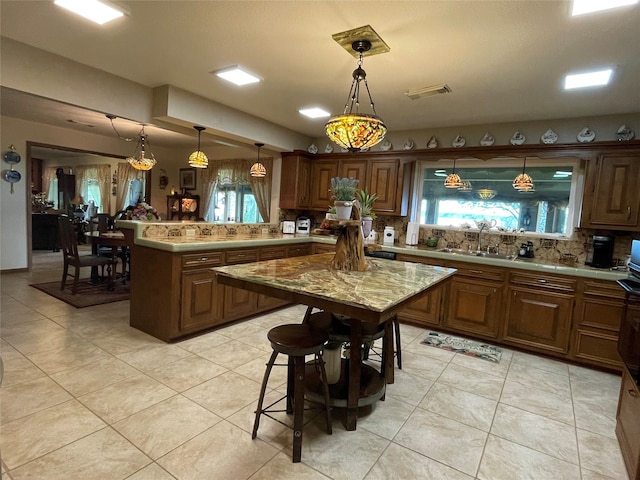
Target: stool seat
[297,339]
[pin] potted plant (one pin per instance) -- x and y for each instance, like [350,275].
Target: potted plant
[343,191]
[367,215]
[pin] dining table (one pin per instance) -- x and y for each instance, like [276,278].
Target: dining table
[373,296]
[113,239]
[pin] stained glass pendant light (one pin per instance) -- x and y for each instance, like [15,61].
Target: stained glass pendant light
[198,159]
[258,169]
[354,130]
[142,159]
[453,180]
[523,182]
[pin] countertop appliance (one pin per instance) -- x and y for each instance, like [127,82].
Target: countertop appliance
[303,225]
[388,236]
[600,253]
[629,338]
[288,227]
[413,233]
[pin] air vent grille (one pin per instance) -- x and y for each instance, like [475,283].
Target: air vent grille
[428,91]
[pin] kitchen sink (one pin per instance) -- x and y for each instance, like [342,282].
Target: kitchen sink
[472,253]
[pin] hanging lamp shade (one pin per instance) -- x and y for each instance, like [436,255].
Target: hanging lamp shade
[486,194]
[523,182]
[198,159]
[142,158]
[258,169]
[354,130]
[453,180]
[466,186]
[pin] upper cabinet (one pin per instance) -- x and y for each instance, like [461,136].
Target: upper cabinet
[611,194]
[306,180]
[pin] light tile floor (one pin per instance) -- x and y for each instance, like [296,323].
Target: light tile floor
[86,396]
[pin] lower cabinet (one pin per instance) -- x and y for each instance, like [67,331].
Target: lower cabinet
[628,424]
[474,307]
[200,305]
[426,310]
[538,319]
[238,303]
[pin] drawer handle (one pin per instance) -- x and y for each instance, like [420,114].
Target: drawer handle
[204,259]
[542,280]
[632,392]
[477,272]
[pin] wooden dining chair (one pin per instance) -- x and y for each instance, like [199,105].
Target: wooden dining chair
[72,258]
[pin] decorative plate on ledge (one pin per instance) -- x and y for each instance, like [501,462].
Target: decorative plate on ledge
[312,149]
[549,137]
[408,144]
[433,143]
[386,146]
[586,135]
[458,142]
[487,140]
[328,148]
[624,134]
[518,139]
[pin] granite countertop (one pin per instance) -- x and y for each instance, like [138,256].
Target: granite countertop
[387,282]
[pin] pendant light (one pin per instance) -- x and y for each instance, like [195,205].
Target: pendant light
[198,159]
[142,158]
[354,130]
[453,180]
[523,182]
[258,169]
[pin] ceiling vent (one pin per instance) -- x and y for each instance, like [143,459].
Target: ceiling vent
[428,91]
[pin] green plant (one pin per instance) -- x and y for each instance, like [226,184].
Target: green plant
[366,200]
[344,189]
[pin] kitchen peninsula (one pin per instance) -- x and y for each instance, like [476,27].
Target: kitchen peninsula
[567,312]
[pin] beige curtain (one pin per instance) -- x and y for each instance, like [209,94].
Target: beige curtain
[100,173]
[222,172]
[126,173]
[48,176]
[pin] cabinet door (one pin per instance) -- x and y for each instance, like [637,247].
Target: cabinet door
[354,169]
[612,196]
[200,305]
[474,307]
[628,424]
[426,310]
[238,303]
[322,171]
[295,182]
[383,181]
[540,319]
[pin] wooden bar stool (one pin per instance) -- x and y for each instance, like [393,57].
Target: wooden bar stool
[296,341]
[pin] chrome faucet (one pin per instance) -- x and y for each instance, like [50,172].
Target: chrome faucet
[482,227]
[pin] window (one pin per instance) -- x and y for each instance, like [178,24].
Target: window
[488,194]
[235,203]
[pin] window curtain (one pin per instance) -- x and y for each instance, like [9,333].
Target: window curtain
[225,172]
[126,173]
[49,176]
[99,173]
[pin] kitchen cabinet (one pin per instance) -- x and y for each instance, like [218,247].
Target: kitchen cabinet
[539,312]
[628,424]
[238,302]
[598,315]
[322,171]
[295,181]
[474,303]
[323,248]
[425,311]
[611,194]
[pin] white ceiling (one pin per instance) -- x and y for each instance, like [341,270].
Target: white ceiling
[503,60]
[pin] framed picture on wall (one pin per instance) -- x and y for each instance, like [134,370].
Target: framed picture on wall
[187,179]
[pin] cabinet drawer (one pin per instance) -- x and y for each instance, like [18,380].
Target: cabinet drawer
[601,348]
[271,253]
[608,289]
[401,257]
[544,281]
[207,259]
[480,272]
[299,250]
[241,256]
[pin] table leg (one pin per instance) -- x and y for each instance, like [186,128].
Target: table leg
[355,367]
[387,350]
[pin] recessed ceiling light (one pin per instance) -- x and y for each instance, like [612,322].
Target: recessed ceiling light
[237,75]
[314,112]
[588,79]
[580,7]
[99,11]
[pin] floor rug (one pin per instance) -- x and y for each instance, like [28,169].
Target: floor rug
[87,295]
[464,346]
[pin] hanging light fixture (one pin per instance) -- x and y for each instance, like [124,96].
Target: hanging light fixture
[466,186]
[523,182]
[142,159]
[198,159]
[258,169]
[486,194]
[453,180]
[354,130]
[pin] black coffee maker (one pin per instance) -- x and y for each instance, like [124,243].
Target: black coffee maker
[600,252]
